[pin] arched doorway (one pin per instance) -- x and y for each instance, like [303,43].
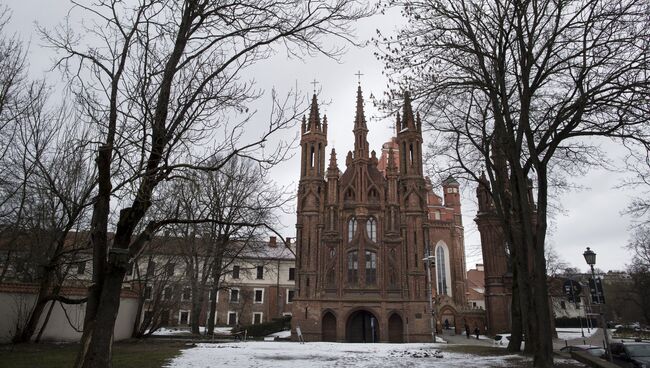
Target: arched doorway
[362,326]
[448,321]
[329,327]
[395,329]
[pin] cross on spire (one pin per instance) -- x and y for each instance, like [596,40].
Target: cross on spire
[314,83]
[358,74]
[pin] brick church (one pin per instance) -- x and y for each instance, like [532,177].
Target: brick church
[364,232]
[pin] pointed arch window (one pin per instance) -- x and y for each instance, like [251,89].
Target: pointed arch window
[352,228]
[353,267]
[443,276]
[371,229]
[371,268]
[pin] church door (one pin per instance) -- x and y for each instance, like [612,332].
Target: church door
[362,326]
[329,327]
[395,329]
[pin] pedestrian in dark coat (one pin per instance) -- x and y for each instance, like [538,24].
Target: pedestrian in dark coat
[477,332]
[467,330]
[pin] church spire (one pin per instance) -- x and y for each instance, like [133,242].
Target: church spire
[360,130]
[409,120]
[360,118]
[314,115]
[333,166]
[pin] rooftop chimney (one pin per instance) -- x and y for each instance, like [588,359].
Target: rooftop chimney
[288,241]
[272,242]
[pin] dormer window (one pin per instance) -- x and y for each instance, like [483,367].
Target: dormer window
[371,229]
[352,228]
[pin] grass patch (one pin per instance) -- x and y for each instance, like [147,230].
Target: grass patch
[127,354]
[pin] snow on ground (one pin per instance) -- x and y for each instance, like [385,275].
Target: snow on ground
[323,354]
[186,331]
[574,333]
[163,331]
[281,334]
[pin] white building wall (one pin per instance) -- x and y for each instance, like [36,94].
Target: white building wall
[14,308]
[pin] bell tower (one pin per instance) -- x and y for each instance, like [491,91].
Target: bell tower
[311,195]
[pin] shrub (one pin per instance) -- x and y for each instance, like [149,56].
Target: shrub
[267,328]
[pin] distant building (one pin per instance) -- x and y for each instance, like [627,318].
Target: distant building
[476,287]
[257,285]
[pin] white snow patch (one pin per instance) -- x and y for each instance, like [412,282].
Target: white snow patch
[323,354]
[574,333]
[166,331]
[281,334]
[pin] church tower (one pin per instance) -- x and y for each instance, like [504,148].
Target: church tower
[311,194]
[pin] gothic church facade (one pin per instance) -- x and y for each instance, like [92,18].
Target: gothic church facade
[363,233]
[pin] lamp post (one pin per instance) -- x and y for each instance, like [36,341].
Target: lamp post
[590,257]
[428,260]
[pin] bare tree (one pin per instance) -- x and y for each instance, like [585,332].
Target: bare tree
[515,87]
[243,205]
[157,287]
[58,196]
[18,97]
[639,269]
[159,84]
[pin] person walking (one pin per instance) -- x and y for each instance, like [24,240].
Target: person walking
[477,332]
[467,330]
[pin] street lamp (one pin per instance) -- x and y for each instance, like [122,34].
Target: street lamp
[590,257]
[428,261]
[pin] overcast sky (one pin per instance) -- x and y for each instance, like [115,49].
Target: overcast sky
[591,217]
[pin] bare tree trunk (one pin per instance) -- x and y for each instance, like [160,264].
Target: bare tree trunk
[99,242]
[516,336]
[47,319]
[98,354]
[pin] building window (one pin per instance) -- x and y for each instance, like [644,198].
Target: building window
[436,215]
[442,270]
[183,317]
[371,268]
[352,228]
[148,291]
[232,318]
[234,295]
[260,272]
[257,318]
[353,267]
[371,229]
[187,293]
[210,295]
[290,295]
[259,295]
[292,274]
[167,294]
[151,268]
[81,268]
[169,269]
[235,272]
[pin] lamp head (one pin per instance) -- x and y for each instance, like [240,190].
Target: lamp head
[590,256]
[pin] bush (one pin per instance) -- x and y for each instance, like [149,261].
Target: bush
[574,322]
[267,328]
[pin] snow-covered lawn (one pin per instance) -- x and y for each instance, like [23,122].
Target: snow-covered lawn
[322,354]
[185,330]
[574,333]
